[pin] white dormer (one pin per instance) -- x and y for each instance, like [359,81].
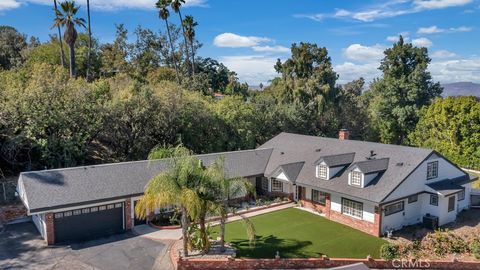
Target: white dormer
[327,167]
[364,172]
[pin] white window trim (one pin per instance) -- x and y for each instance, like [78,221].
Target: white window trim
[281,185]
[352,215]
[327,172]
[395,204]
[463,197]
[350,178]
[434,175]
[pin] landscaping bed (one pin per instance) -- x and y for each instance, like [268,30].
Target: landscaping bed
[296,233]
[458,240]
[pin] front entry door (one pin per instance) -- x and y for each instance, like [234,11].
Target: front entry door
[300,193]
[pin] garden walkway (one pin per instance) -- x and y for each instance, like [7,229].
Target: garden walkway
[256,213]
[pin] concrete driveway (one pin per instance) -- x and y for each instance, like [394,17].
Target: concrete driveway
[21,247]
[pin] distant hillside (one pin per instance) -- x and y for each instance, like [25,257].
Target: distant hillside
[461,89]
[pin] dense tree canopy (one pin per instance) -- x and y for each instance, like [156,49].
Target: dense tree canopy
[451,126]
[405,87]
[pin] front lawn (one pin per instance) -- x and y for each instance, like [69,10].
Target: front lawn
[297,233]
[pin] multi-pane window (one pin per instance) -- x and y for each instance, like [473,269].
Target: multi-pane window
[461,195]
[413,198]
[432,170]
[394,208]
[451,203]
[277,186]
[322,171]
[356,178]
[319,197]
[352,208]
[265,184]
[434,199]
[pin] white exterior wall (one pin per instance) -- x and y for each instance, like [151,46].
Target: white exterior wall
[411,214]
[416,181]
[465,204]
[39,221]
[368,207]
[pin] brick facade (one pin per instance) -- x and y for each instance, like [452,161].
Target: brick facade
[323,209]
[362,225]
[128,214]
[307,263]
[50,228]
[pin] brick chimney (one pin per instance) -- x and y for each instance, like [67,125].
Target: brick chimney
[343,134]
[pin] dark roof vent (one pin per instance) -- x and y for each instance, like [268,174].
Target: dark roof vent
[399,164]
[372,155]
[281,153]
[318,149]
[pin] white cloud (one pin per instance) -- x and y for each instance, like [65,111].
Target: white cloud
[434,29]
[429,30]
[388,9]
[422,42]
[271,49]
[437,4]
[253,69]
[236,41]
[443,54]
[349,71]
[109,5]
[358,52]
[9,4]
[456,70]
[395,38]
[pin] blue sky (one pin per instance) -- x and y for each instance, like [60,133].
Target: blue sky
[249,35]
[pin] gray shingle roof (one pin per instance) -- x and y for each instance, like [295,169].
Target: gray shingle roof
[298,148]
[446,187]
[291,170]
[73,186]
[337,160]
[372,165]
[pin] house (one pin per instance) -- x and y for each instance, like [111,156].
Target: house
[372,187]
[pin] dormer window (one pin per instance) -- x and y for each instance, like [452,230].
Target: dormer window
[356,178]
[432,170]
[322,171]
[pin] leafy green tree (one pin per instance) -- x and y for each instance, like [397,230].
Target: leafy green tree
[451,126]
[218,73]
[11,45]
[164,13]
[405,87]
[114,55]
[146,53]
[89,53]
[175,186]
[66,17]
[352,109]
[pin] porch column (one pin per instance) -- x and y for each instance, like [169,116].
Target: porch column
[50,228]
[128,214]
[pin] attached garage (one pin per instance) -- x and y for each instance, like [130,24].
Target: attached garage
[88,223]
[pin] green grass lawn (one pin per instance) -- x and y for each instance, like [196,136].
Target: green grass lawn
[297,233]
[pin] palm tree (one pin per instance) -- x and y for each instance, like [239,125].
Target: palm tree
[176,6]
[189,24]
[67,17]
[62,54]
[175,186]
[226,189]
[89,53]
[163,13]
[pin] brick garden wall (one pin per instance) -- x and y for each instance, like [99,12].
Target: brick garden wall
[193,264]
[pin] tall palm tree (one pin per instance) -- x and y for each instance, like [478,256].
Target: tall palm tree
[176,6]
[163,13]
[226,189]
[67,17]
[189,24]
[89,53]
[175,186]
[62,53]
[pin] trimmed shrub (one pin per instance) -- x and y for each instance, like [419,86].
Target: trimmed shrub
[475,248]
[389,251]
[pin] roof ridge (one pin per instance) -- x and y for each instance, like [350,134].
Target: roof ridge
[136,161]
